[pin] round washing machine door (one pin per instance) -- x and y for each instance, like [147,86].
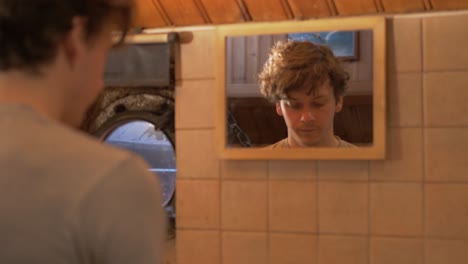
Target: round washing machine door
[141,136]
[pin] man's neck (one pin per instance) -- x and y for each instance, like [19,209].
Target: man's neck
[37,92]
[331,141]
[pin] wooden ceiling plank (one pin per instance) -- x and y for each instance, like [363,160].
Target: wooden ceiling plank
[379,6]
[403,6]
[449,4]
[332,7]
[203,11]
[304,9]
[223,11]
[147,15]
[266,10]
[183,12]
[428,5]
[355,7]
[287,9]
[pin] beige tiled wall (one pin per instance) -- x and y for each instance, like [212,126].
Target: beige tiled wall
[411,208]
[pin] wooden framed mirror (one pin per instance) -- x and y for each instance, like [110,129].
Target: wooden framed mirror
[261,114]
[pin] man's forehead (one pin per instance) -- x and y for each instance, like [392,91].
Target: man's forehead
[317,88]
[296,98]
[121,2]
[317,93]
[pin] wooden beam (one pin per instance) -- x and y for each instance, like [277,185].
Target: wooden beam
[449,4]
[147,15]
[223,11]
[355,7]
[266,10]
[183,12]
[402,6]
[303,9]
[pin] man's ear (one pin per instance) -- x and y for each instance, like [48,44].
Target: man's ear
[279,111]
[73,42]
[339,104]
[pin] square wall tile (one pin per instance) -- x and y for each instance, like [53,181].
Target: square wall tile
[343,170]
[245,248]
[445,97]
[197,204]
[446,210]
[385,250]
[343,249]
[197,246]
[293,249]
[404,44]
[244,205]
[293,206]
[292,170]
[446,251]
[404,100]
[445,39]
[446,154]
[198,57]
[244,169]
[343,208]
[190,164]
[404,160]
[195,104]
[396,209]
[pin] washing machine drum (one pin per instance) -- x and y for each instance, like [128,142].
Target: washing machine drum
[143,134]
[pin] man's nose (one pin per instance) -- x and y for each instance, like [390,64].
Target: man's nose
[307,116]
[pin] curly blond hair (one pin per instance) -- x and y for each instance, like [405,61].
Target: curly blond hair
[294,65]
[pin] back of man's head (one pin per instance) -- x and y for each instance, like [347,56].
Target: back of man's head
[30,30]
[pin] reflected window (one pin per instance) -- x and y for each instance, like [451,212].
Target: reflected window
[153,146]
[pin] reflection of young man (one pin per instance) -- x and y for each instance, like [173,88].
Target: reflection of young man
[307,83]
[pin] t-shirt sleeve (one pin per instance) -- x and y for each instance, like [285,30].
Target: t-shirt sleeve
[122,219]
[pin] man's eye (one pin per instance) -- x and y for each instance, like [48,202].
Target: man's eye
[318,105]
[294,105]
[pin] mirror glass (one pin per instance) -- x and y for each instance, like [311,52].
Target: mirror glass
[253,120]
[309,89]
[141,138]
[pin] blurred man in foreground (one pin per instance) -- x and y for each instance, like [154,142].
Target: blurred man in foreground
[64,196]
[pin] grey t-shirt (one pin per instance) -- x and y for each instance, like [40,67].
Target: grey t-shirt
[67,198]
[284,144]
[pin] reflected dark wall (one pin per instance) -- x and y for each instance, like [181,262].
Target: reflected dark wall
[355,121]
[258,119]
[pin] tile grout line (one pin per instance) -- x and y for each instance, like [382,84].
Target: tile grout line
[368,214]
[220,206]
[317,209]
[423,147]
[458,182]
[332,234]
[267,183]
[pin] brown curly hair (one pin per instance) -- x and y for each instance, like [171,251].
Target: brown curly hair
[30,30]
[293,65]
